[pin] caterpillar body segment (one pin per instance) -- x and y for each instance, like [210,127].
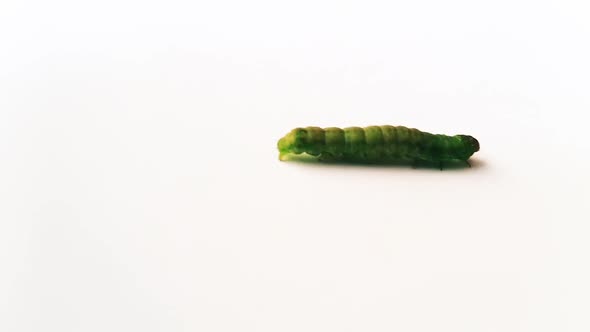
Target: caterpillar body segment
[376,144]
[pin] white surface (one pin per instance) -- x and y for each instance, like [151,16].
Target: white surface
[141,191]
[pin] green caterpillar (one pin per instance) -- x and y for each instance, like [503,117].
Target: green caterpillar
[377,144]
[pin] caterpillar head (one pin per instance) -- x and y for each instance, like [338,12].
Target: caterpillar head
[469,145]
[293,142]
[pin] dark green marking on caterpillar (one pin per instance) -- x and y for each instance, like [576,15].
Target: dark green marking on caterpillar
[377,144]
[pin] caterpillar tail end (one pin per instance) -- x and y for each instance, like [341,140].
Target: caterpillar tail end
[282,156]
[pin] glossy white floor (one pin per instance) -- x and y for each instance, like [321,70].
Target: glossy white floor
[141,188]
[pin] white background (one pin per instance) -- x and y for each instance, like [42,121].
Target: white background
[140,188]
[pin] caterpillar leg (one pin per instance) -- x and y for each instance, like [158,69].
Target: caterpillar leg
[328,157]
[468,164]
[440,164]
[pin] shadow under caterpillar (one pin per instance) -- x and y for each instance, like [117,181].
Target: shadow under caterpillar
[377,144]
